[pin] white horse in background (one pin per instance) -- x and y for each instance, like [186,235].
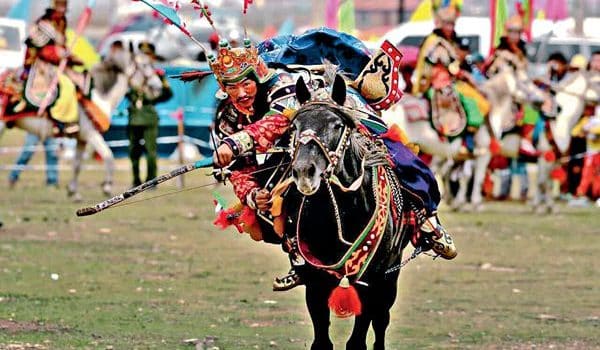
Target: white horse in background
[570,97]
[110,87]
[503,87]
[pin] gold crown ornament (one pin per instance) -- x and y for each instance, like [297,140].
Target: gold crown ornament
[515,23]
[55,3]
[232,65]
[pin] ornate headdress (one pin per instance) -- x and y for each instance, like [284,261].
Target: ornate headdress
[447,11]
[234,64]
[515,23]
[54,3]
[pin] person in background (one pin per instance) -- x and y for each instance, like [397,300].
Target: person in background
[50,146]
[438,76]
[143,118]
[46,48]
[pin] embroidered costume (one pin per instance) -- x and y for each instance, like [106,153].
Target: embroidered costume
[456,105]
[46,47]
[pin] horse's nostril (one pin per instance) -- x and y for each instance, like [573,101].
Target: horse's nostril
[295,173]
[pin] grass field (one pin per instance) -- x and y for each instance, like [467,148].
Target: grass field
[151,274]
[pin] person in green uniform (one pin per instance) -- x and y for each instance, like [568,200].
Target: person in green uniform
[148,87]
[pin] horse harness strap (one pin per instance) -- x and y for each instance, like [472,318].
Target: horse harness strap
[333,157]
[357,258]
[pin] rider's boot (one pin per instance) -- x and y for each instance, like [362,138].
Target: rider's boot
[440,240]
[20,107]
[71,128]
[291,279]
[526,147]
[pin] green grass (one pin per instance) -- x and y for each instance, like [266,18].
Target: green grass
[150,274]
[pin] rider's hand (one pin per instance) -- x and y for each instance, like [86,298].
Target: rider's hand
[262,199]
[223,155]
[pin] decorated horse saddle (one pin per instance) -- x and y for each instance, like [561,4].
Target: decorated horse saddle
[447,113]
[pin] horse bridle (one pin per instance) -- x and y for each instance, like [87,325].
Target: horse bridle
[333,157]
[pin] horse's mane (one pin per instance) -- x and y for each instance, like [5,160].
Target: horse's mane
[105,75]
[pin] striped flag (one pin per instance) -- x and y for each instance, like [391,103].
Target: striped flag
[331,13]
[525,9]
[340,15]
[347,22]
[498,15]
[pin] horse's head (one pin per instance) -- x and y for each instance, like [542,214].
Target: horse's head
[321,135]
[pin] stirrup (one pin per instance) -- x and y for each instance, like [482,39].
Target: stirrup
[287,282]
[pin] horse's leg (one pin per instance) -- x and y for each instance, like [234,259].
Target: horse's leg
[99,145]
[463,186]
[358,338]
[2,128]
[545,198]
[384,300]
[73,187]
[316,301]
[482,160]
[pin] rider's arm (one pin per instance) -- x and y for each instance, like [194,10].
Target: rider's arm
[262,134]
[244,185]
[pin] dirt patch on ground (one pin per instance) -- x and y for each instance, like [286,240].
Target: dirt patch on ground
[22,346]
[573,345]
[9,326]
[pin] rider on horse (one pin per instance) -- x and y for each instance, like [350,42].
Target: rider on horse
[456,105]
[511,53]
[253,133]
[46,47]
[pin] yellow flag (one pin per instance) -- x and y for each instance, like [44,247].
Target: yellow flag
[347,21]
[83,50]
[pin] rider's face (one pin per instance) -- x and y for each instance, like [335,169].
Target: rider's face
[242,93]
[448,28]
[60,7]
[513,36]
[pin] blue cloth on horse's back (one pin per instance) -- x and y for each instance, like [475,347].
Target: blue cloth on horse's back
[414,175]
[310,48]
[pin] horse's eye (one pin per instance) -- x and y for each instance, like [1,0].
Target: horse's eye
[338,126]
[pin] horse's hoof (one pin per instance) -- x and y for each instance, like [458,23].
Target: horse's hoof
[539,210]
[478,207]
[77,197]
[107,188]
[553,209]
[71,190]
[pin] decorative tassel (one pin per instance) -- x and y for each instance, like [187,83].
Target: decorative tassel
[396,134]
[559,174]
[248,216]
[344,300]
[550,156]
[495,147]
[226,218]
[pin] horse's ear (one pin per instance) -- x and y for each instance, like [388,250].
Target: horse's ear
[338,92]
[302,93]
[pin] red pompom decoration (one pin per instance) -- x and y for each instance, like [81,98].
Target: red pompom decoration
[394,133]
[344,300]
[550,156]
[559,174]
[495,147]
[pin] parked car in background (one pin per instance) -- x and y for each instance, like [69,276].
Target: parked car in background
[12,43]
[542,47]
[476,29]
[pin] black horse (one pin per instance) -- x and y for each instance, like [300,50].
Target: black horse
[344,185]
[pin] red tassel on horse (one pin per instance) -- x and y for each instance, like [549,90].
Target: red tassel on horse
[344,300]
[495,147]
